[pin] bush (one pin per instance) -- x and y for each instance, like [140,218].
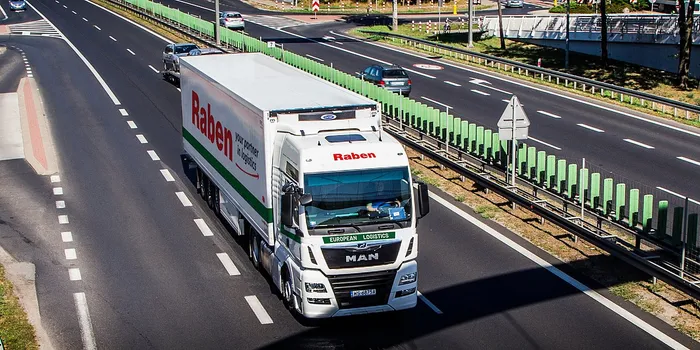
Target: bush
[574,7]
[615,6]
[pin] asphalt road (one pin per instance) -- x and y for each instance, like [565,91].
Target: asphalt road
[619,143]
[152,280]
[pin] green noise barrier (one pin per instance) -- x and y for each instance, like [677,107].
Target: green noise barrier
[539,167]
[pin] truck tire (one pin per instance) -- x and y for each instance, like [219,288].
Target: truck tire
[214,202]
[287,293]
[199,180]
[253,247]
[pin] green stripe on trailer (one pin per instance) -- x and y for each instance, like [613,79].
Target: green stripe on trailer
[253,201]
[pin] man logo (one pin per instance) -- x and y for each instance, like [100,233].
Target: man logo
[362,245]
[328,117]
[361,257]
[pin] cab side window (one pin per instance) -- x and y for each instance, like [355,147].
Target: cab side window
[168,49]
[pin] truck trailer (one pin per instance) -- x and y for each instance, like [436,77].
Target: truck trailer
[302,168]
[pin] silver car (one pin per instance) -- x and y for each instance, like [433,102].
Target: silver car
[172,54]
[231,20]
[514,3]
[18,5]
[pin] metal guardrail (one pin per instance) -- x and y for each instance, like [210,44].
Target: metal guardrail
[634,98]
[658,260]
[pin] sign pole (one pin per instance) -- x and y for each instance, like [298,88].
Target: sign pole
[401,109]
[512,178]
[583,193]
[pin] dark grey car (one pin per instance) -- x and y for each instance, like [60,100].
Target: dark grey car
[390,77]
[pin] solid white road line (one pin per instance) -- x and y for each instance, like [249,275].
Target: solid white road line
[183,199]
[155,70]
[141,138]
[195,5]
[228,264]
[206,231]
[70,254]
[74,274]
[131,52]
[639,144]
[123,112]
[544,143]
[132,22]
[153,155]
[436,102]
[315,58]
[565,277]
[525,85]
[689,160]
[96,27]
[166,175]
[131,124]
[677,194]
[67,236]
[548,114]
[85,322]
[258,309]
[113,39]
[58,191]
[63,219]
[60,204]
[427,302]
[481,92]
[109,92]
[451,83]
[590,128]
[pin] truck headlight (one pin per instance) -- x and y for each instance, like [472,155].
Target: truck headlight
[408,278]
[315,287]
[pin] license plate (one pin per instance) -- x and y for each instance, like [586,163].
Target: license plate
[398,83]
[363,293]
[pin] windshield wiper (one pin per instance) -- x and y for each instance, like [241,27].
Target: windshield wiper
[325,224]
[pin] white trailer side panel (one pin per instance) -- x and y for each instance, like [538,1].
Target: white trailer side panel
[226,138]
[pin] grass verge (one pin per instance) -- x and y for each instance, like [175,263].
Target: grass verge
[658,299]
[15,330]
[619,73]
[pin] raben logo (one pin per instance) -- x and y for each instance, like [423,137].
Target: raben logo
[328,117]
[361,257]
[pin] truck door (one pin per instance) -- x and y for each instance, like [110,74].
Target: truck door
[286,237]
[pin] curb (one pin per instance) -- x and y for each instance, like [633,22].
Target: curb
[22,275]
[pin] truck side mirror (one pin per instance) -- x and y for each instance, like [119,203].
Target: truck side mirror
[306,199]
[288,209]
[423,199]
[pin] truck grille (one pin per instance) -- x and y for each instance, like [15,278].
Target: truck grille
[383,254]
[342,285]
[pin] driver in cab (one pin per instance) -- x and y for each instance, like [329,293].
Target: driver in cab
[377,207]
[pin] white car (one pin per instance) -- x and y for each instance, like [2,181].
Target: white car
[231,20]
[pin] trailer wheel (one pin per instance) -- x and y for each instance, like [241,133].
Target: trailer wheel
[214,197]
[254,248]
[199,180]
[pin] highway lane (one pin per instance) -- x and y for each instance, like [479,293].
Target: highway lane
[150,276]
[439,265]
[625,147]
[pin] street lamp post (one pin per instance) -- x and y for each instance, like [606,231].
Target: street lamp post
[216,22]
[471,15]
[566,59]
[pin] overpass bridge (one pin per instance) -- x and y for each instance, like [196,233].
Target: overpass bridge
[648,40]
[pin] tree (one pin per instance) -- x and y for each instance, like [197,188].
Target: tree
[685,22]
[604,33]
[500,25]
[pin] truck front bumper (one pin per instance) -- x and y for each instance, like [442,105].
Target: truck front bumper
[323,305]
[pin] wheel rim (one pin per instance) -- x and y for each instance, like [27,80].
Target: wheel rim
[288,292]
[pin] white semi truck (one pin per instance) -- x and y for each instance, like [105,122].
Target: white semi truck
[301,167]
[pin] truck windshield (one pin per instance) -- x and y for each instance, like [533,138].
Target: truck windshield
[358,197]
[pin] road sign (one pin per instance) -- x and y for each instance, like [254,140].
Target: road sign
[506,123]
[270,44]
[315,5]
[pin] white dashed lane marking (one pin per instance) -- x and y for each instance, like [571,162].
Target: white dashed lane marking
[113,39]
[590,128]
[691,161]
[96,27]
[481,92]
[63,219]
[141,138]
[258,309]
[183,199]
[206,231]
[549,114]
[228,264]
[60,204]
[131,52]
[58,191]
[123,112]
[153,155]
[166,175]
[74,274]
[451,83]
[155,70]
[71,254]
[131,124]
[67,236]
[639,144]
